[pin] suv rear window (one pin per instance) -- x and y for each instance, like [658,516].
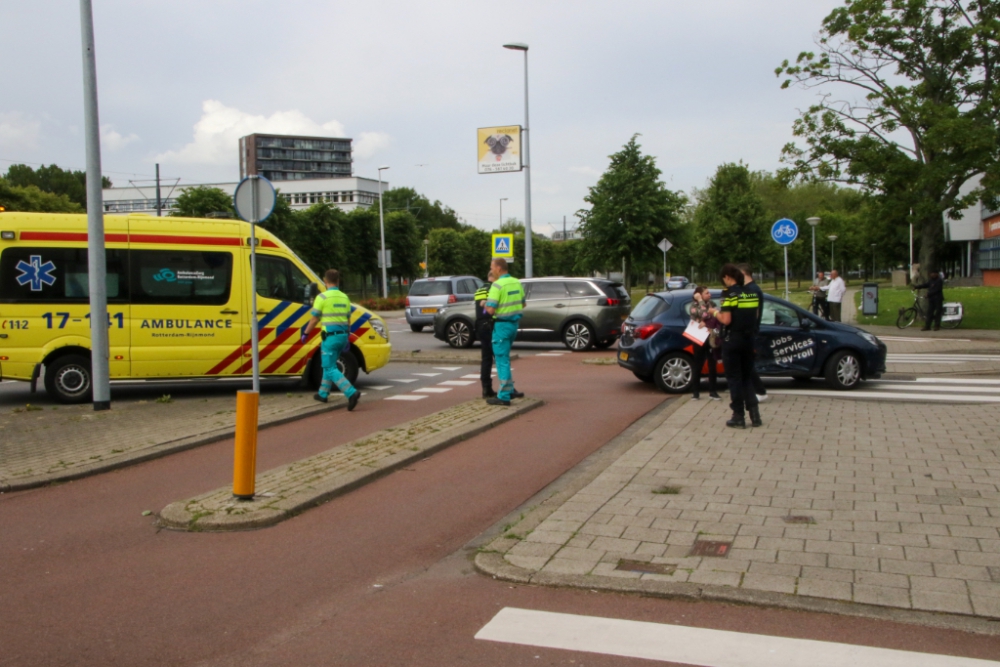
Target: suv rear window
[648,308]
[615,291]
[430,288]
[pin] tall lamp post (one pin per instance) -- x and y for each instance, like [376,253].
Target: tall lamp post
[502,200]
[381,226]
[833,238]
[874,273]
[427,243]
[528,272]
[813,222]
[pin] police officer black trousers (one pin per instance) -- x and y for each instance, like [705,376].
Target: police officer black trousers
[484,332]
[737,357]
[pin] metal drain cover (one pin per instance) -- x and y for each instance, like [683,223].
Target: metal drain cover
[801,518]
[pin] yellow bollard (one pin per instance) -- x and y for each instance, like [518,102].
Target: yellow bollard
[245,459]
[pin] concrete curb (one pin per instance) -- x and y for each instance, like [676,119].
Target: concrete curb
[493,544]
[463,358]
[164,448]
[257,513]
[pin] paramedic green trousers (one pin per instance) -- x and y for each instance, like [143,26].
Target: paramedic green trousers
[330,350]
[503,337]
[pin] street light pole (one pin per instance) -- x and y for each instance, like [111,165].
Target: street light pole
[813,222]
[528,271]
[832,237]
[502,200]
[96,256]
[427,243]
[874,273]
[381,225]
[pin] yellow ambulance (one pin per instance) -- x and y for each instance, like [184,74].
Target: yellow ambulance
[178,303]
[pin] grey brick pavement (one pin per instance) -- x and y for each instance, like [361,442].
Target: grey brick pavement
[902,500]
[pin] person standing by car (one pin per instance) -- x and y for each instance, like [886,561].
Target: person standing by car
[484,332]
[835,295]
[820,305]
[935,300]
[739,316]
[748,283]
[332,311]
[505,303]
[707,351]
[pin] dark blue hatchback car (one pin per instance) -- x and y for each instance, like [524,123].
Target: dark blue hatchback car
[792,343]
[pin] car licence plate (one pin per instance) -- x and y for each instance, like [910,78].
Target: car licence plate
[623,356]
[428,311]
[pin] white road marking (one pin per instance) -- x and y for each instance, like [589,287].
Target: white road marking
[405,397]
[457,383]
[923,386]
[473,376]
[921,361]
[944,357]
[447,368]
[379,387]
[957,381]
[402,380]
[431,390]
[550,354]
[901,339]
[943,398]
[426,375]
[695,646]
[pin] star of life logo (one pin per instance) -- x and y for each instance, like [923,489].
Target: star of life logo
[36,273]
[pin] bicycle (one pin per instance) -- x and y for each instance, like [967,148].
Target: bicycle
[819,307]
[951,313]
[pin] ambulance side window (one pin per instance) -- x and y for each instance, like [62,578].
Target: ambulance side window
[181,277]
[58,275]
[278,278]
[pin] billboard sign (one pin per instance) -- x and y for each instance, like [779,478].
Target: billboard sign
[503,245]
[499,149]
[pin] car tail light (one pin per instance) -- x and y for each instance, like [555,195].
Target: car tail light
[452,298]
[647,330]
[609,302]
[407,302]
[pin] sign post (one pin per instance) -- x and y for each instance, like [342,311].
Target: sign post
[664,245]
[783,232]
[254,201]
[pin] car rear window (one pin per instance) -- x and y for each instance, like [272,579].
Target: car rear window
[430,288]
[649,307]
[615,291]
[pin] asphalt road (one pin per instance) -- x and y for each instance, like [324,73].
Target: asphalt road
[381,576]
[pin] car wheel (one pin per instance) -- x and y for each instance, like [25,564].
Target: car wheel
[458,333]
[606,343]
[843,371]
[416,328]
[346,362]
[644,378]
[578,336]
[68,379]
[674,373]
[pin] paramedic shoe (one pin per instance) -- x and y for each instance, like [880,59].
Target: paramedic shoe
[321,399]
[497,401]
[737,421]
[352,402]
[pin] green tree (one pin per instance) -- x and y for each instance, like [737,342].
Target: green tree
[281,222]
[429,215]
[631,210]
[54,179]
[926,121]
[203,201]
[317,237]
[361,244]
[731,223]
[476,251]
[32,199]
[402,238]
[446,252]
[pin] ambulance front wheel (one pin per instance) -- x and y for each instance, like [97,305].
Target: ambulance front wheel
[68,379]
[348,366]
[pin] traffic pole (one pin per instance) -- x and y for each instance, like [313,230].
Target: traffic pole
[96,257]
[245,457]
[786,273]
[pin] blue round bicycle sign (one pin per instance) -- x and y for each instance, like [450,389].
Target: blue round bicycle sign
[784,231]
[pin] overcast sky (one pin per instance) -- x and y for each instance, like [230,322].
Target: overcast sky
[181,81]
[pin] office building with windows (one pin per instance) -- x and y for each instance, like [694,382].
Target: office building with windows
[289,158]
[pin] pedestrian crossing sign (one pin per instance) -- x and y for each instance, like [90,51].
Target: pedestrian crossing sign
[503,245]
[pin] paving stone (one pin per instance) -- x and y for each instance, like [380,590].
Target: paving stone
[769,582]
[946,602]
[777,569]
[881,579]
[906,567]
[986,606]
[823,588]
[568,566]
[549,536]
[882,596]
[828,574]
[592,556]
[715,578]
[938,585]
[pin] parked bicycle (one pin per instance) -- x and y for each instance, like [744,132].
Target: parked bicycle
[819,307]
[951,314]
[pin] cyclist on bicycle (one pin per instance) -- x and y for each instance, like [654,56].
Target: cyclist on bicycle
[935,300]
[820,306]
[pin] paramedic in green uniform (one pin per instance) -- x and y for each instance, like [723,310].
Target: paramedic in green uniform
[505,303]
[332,311]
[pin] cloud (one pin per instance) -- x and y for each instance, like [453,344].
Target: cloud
[217,133]
[370,143]
[18,132]
[113,141]
[587,171]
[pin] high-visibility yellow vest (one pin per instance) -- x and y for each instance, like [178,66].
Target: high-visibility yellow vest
[333,308]
[508,294]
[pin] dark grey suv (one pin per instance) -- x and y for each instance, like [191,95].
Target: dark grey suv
[581,312]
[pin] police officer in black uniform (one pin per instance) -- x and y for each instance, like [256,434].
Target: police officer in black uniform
[739,315]
[484,332]
[935,300]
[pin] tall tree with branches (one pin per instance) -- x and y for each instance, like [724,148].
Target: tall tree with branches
[909,108]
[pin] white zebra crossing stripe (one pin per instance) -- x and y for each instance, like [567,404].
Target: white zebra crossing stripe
[695,646]
[969,381]
[900,339]
[405,397]
[379,387]
[447,368]
[431,390]
[457,383]
[402,379]
[943,357]
[426,375]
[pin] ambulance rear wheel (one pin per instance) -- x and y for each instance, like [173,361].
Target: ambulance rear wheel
[68,379]
[348,366]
